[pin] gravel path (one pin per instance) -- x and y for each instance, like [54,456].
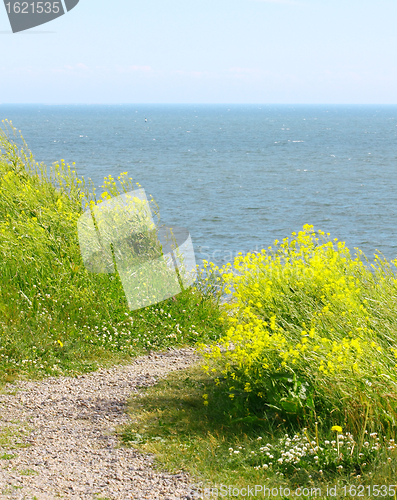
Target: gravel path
[73,452]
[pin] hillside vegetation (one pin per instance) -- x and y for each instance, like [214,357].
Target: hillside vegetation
[55,316]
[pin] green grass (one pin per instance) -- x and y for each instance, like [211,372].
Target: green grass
[171,421]
[55,317]
[27,472]
[13,436]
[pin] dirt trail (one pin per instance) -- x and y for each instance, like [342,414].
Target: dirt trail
[73,453]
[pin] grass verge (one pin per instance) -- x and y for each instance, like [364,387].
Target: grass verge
[218,447]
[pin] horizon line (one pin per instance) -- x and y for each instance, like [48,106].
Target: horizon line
[193,104]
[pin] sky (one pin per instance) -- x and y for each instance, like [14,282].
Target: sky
[205,51]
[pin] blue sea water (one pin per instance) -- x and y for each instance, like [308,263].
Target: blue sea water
[237,176]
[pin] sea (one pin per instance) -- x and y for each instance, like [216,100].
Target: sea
[237,177]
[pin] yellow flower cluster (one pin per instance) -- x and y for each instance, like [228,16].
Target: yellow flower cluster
[302,308]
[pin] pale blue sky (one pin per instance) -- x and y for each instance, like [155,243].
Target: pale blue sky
[205,51]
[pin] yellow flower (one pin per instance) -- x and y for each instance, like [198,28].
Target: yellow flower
[336,428]
[60,343]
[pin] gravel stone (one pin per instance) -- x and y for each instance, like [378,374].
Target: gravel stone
[73,452]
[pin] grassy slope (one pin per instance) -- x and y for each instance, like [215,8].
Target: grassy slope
[218,448]
[55,317]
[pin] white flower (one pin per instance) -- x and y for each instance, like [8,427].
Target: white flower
[236,452]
